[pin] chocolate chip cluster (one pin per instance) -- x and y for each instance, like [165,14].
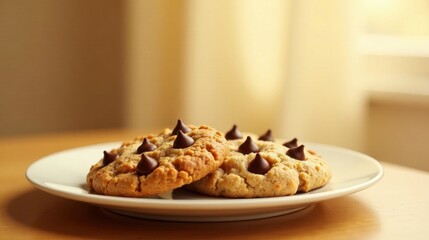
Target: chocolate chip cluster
[147,164]
[259,165]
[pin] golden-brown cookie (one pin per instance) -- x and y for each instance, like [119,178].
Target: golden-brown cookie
[153,164]
[264,168]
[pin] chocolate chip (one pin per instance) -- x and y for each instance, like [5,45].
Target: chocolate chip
[291,144]
[146,165]
[182,140]
[259,165]
[180,126]
[146,146]
[296,153]
[234,133]
[108,158]
[248,146]
[267,136]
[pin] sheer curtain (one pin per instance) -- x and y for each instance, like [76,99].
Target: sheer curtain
[236,63]
[324,99]
[283,65]
[154,62]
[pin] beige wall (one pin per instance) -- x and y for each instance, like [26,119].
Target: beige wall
[61,65]
[214,62]
[397,115]
[398,129]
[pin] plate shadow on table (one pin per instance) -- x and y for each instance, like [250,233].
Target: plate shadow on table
[38,210]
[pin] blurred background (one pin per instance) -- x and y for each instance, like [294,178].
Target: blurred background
[342,72]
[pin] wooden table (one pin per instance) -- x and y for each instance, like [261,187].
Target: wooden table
[395,208]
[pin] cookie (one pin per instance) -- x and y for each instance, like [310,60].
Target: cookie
[153,164]
[262,167]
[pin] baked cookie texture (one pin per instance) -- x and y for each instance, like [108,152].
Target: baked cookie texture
[285,175]
[313,172]
[165,165]
[209,162]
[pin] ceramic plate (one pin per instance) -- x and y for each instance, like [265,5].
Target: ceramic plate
[64,174]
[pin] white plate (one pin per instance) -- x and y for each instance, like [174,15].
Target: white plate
[64,174]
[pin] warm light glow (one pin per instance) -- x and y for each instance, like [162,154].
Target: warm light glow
[398,17]
[261,31]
